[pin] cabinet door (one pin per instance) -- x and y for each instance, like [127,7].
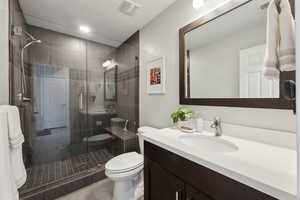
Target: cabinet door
[160,184]
[193,194]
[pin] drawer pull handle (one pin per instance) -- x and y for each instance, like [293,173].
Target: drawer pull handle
[178,194]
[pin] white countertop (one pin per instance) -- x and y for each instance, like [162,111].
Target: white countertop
[269,169]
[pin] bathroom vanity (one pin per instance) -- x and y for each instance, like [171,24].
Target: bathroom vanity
[169,176]
[175,170]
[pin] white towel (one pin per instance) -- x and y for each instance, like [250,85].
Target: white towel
[15,136]
[287,46]
[280,48]
[16,140]
[8,187]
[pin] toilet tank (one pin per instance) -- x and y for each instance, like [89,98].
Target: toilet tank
[143,130]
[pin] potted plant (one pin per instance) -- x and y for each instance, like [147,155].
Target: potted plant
[181,116]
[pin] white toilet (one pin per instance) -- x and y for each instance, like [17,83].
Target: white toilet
[126,170]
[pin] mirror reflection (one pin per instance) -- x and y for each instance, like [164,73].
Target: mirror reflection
[110,80]
[228,63]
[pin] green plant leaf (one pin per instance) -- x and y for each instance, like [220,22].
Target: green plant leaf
[182,114]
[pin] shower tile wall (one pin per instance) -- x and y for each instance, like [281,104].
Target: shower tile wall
[82,61]
[16,18]
[127,57]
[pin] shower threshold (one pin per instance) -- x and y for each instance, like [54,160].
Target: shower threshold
[52,180]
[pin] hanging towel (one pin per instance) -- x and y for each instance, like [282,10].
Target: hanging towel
[287,46]
[280,48]
[15,135]
[16,140]
[8,189]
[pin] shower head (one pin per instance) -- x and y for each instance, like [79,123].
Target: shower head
[28,41]
[31,42]
[29,36]
[38,41]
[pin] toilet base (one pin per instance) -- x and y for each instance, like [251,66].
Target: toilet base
[124,190]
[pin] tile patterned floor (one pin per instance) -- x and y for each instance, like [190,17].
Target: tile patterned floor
[57,171]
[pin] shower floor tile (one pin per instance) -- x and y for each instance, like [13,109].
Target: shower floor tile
[50,173]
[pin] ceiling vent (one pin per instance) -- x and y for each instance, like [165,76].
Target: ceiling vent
[129,7]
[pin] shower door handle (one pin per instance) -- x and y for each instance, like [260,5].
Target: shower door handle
[26,99]
[22,99]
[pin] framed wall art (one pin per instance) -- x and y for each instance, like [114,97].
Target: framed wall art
[156,76]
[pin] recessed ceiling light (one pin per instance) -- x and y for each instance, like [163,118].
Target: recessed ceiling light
[198,3]
[84,29]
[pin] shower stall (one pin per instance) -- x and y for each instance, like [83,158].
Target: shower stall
[67,101]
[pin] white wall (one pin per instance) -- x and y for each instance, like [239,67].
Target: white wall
[160,38]
[4,84]
[298,93]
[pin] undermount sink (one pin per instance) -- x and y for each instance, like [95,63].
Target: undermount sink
[208,143]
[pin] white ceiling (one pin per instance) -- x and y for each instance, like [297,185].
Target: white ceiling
[108,25]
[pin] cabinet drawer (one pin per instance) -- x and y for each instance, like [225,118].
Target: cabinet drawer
[215,185]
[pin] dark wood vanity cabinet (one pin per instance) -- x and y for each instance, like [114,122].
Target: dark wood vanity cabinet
[172,177]
[163,185]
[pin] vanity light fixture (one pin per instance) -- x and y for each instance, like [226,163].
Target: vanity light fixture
[84,29]
[198,3]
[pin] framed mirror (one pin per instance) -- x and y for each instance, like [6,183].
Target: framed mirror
[110,84]
[221,59]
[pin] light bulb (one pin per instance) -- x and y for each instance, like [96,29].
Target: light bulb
[198,3]
[84,29]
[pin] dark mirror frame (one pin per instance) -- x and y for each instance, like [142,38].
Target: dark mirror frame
[274,103]
[115,71]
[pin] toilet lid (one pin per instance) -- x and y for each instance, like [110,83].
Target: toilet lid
[125,162]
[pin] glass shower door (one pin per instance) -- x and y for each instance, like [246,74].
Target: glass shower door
[99,111]
[54,121]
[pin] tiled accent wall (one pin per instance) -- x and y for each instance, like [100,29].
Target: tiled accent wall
[127,58]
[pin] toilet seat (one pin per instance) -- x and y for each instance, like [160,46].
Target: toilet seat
[124,175]
[124,163]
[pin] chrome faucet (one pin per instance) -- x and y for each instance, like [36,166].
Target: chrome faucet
[217,125]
